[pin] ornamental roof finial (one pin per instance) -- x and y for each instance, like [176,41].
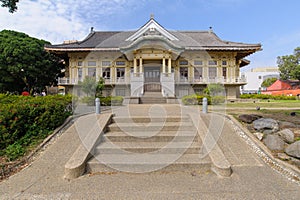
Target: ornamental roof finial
[151,16]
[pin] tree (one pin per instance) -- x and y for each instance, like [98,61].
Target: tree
[100,86]
[25,64]
[88,86]
[268,82]
[214,89]
[10,4]
[289,65]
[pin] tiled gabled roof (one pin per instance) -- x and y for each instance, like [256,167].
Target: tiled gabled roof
[188,40]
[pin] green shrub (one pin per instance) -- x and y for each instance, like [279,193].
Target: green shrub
[217,99]
[24,120]
[111,100]
[14,151]
[195,99]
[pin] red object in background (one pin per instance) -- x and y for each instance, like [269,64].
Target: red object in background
[25,93]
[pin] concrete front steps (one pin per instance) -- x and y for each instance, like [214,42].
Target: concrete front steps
[142,144]
[152,98]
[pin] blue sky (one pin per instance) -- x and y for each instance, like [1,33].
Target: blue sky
[273,23]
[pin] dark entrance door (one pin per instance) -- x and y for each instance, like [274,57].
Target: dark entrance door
[152,79]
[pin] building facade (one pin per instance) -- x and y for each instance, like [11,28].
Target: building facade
[255,77]
[152,58]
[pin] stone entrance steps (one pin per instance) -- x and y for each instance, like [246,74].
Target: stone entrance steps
[143,144]
[152,98]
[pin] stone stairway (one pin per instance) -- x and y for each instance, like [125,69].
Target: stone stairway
[141,144]
[152,98]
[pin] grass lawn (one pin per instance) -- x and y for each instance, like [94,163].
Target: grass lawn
[277,109]
[265,104]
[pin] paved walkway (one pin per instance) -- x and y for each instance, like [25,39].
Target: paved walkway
[251,178]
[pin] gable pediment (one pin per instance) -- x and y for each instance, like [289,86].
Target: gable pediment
[152,28]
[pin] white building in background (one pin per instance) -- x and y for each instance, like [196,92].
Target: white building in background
[255,77]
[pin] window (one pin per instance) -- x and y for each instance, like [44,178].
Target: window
[183,62]
[120,72]
[105,63]
[224,62]
[79,63]
[80,74]
[198,73]
[183,72]
[92,72]
[198,62]
[212,72]
[212,62]
[120,92]
[120,63]
[224,72]
[106,73]
[91,63]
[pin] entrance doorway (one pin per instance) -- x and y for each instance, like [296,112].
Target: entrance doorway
[152,79]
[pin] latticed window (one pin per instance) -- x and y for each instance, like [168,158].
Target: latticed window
[106,73]
[92,72]
[80,74]
[105,63]
[212,72]
[120,72]
[91,63]
[224,72]
[183,72]
[120,63]
[198,72]
[212,62]
[183,62]
[198,62]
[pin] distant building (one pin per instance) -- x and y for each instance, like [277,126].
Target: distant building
[287,88]
[255,77]
[152,58]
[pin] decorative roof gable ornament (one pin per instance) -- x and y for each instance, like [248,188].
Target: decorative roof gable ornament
[152,28]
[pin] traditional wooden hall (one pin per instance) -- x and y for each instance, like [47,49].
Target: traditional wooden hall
[153,59]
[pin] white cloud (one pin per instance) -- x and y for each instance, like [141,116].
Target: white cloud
[59,20]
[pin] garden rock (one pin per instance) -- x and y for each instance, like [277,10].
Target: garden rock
[287,135]
[284,125]
[248,118]
[266,124]
[274,142]
[293,149]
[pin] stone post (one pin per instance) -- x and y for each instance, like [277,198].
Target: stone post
[98,107]
[204,105]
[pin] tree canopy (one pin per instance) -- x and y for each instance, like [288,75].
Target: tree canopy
[10,4]
[268,82]
[25,64]
[289,65]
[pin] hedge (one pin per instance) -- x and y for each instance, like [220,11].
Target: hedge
[267,96]
[104,101]
[196,99]
[25,120]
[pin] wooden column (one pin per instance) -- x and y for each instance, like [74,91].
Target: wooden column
[134,66]
[164,66]
[169,65]
[141,65]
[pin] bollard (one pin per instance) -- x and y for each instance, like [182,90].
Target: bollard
[204,105]
[98,108]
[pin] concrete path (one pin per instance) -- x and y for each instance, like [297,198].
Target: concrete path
[251,178]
